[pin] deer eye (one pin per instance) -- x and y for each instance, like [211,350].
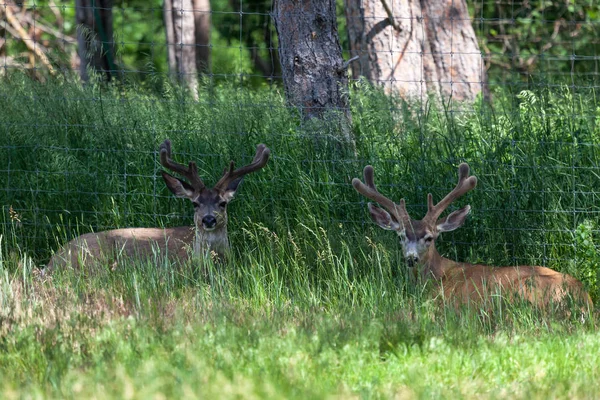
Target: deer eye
[222,204]
[428,239]
[196,204]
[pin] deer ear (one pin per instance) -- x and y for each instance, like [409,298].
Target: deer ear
[178,187]
[453,221]
[383,218]
[232,188]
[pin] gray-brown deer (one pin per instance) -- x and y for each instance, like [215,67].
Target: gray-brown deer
[461,283]
[208,236]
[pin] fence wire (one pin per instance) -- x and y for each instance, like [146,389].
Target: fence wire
[535,149]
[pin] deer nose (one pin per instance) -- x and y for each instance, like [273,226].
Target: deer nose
[209,221]
[411,260]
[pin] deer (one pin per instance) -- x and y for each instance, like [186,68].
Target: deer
[207,238]
[463,283]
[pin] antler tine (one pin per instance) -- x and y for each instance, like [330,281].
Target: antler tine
[465,184]
[260,160]
[260,149]
[190,172]
[369,190]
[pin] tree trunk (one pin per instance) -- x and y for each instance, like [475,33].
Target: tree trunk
[314,76]
[170,36]
[96,46]
[202,32]
[416,47]
[179,26]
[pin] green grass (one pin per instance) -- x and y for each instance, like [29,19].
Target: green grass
[316,301]
[145,332]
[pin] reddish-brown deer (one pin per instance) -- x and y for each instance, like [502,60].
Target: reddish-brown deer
[207,237]
[461,283]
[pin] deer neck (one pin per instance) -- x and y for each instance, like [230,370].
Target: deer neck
[434,265]
[216,241]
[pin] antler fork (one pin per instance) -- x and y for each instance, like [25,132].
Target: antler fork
[260,160]
[465,184]
[190,172]
[368,189]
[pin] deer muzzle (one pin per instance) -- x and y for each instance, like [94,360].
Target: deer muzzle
[412,261]
[209,222]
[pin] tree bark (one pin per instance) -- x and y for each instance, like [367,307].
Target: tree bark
[96,46]
[416,47]
[313,71]
[180,33]
[202,15]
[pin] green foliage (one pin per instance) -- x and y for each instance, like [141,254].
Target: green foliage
[247,27]
[541,37]
[315,301]
[588,257]
[140,36]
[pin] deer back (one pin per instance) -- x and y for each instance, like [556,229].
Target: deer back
[107,247]
[466,283]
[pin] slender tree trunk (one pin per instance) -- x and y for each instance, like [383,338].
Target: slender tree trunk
[179,24]
[170,36]
[96,46]
[416,47]
[314,75]
[202,31]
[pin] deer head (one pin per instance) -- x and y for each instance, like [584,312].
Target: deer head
[416,236]
[210,205]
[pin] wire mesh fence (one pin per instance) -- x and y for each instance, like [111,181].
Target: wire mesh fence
[82,156]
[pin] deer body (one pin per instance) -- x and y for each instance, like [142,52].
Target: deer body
[107,246]
[207,238]
[462,283]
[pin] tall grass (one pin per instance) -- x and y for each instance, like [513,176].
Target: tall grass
[80,158]
[316,299]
